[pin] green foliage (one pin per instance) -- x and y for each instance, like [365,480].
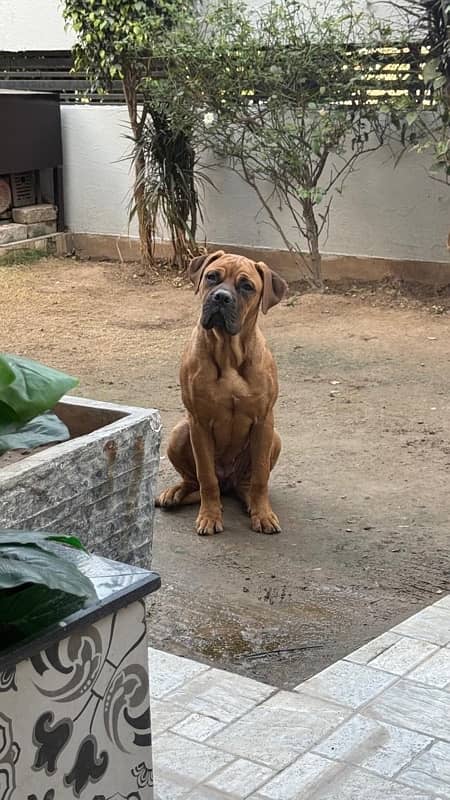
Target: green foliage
[44,429]
[39,584]
[27,391]
[28,388]
[280,96]
[113,35]
[425,114]
[120,39]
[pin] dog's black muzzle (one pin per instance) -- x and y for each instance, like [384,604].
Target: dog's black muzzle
[220,310]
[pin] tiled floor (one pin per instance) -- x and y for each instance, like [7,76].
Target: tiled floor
[374,726]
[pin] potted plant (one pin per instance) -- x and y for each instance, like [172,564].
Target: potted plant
[74,696]
[76,463]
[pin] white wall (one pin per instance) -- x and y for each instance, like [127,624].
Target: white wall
[33,25]
[385,212]
[97,171]
[39,24]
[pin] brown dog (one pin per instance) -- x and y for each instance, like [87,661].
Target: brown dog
[229,387]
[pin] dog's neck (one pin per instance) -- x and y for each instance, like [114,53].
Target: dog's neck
[231,352]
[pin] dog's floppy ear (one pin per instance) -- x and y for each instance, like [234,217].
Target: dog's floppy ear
[198,266]
[274,287]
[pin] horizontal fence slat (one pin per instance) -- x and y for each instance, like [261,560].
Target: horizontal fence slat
[398,70]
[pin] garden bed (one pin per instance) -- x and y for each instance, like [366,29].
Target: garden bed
[99,483]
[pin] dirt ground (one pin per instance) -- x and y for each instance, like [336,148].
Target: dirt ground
[361,487]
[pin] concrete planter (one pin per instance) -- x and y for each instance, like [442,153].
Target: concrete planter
[74,701]
[99,485]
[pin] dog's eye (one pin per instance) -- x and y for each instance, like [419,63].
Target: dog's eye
[246,286]
[212,277]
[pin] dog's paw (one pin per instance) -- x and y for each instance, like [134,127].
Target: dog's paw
[265,522]
[172,497]
[168,498]
[209,522]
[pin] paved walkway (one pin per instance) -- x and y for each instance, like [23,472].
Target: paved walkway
[374,726]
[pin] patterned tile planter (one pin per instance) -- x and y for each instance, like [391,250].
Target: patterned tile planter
[99,484]
[74,702]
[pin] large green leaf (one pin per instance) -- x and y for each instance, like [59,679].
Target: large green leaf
[26,612]
[32,388]
[39,585]
[44,429]
[39,539]
[20,565]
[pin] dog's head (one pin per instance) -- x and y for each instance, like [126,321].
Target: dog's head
[233,288]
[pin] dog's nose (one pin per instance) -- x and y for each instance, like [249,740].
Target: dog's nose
[223,297]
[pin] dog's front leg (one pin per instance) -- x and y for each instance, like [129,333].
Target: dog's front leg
[209,518]
[264,520]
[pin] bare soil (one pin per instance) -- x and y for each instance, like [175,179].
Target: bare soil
[13,456]
[361,487]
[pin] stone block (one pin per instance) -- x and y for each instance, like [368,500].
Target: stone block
[40,229]
[11,232]
[45,212]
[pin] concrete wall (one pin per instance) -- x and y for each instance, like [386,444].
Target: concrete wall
[33,25]
[385,212]
[97,180]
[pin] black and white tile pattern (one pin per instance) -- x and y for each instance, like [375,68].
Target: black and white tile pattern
[75,717]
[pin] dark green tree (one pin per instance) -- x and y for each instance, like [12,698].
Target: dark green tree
[117,39]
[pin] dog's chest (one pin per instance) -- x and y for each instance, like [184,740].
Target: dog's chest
[234,394]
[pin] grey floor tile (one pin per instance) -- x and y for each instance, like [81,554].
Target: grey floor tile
[355,784]
[206,793]
[372,649]
[374,745]
[420,708]
[301,779]
[183,759]
[221,695]
[435,671]
[164,715]
[241,778]
[444,602]
[430,771]
[334,783]
[198,727]
[168,787]
[277,731]
[432,625]
[168,672]
[347,683]
[403,655]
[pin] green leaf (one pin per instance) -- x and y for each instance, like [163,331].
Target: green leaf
[22,564]
[440,82]
[34,389]
[29,610]
[39,539]
[411,117]
[6,373]
[430,70]
[42,430]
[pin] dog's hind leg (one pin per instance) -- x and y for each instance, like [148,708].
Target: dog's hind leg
[180,454]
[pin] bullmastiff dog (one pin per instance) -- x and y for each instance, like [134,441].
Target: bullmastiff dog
[229,386]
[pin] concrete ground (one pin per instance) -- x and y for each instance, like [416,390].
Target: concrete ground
[361,487]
